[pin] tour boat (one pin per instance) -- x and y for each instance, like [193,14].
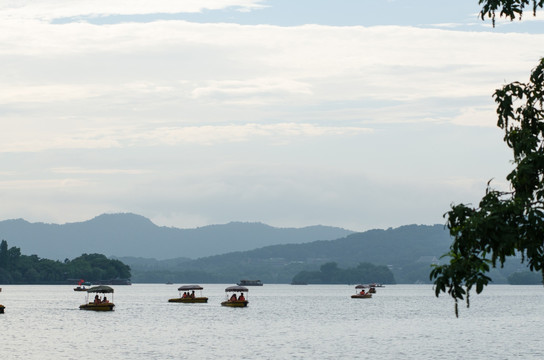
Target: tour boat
[100,302]
[232,300]
[250,283]
[189,295]
[360,292]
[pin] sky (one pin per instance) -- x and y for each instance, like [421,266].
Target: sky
[351,113]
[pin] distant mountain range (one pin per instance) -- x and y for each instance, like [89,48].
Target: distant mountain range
[230,252]
[127,234]
[408,251]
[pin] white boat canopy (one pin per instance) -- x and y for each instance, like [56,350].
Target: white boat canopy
[236,288]
[102,289]
[362,286]
[190,287]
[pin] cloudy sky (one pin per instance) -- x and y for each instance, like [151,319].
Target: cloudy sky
[354,113]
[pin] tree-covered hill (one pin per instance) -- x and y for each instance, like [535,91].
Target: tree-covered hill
[408,251]
[16,268]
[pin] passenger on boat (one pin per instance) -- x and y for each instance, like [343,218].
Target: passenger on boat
[233,297]
[105,300]
[193,294]
[96,299]
[241,297]
[184,295]
[362,292]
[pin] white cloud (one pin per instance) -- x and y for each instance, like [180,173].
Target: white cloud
[55,9]
[215,119]
[79,171]
[479,116]
[32,93]
[42,184]
[252,88]
[105,138]
[175,61]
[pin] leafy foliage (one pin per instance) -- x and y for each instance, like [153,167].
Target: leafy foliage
[508,8]
[505,223]
[22,269]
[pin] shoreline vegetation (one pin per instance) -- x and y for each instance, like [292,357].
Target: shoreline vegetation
[16,268]
[330,273]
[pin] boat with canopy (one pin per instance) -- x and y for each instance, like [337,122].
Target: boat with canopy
[360,292]
[232,300]
[189,295]
[100,301]
[82,285]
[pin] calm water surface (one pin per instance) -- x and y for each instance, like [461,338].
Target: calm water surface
[281,322]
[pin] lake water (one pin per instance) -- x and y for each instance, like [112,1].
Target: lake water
[280,322]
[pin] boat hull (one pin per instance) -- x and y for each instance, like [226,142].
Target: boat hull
[359,296]
[97,307]
[235,303]
[189,300]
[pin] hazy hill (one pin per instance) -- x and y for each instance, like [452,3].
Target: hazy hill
[136,236]
[407,250]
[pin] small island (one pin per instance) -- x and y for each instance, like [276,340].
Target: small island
[330,273]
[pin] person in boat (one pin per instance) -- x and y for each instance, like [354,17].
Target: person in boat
[233,297]
[105,300]
[362,292]
[96,299]
[184,295]
[193,295]
[241,297]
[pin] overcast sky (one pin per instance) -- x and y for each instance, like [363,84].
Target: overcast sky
[360,114]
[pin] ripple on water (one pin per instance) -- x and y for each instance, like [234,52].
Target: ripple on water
[281,322]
